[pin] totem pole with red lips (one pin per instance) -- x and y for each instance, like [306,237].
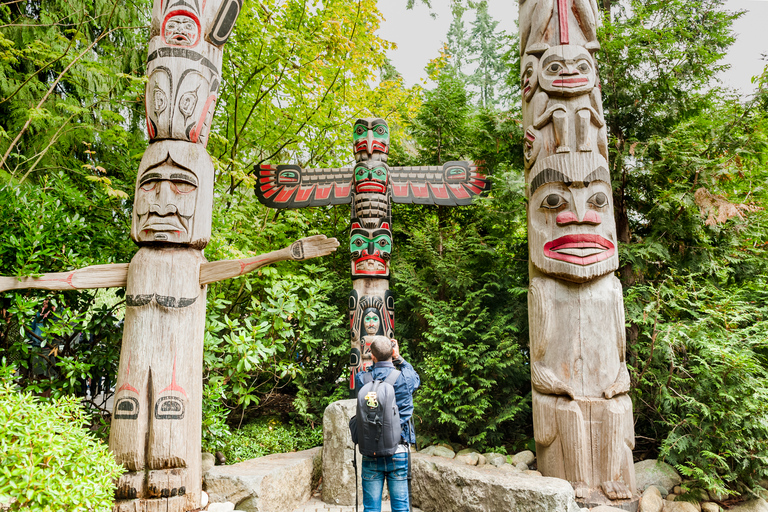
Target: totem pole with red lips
[582,413]
[370,187]
[156,423]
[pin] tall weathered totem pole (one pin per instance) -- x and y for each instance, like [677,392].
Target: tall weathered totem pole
[156,424]
[582,414]
[370,187]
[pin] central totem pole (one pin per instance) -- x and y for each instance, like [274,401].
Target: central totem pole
[370,187]
[582,414]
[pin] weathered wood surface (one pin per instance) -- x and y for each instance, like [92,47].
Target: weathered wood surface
[583,423]
[96,276]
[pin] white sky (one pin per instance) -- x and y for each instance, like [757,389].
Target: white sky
[419,37]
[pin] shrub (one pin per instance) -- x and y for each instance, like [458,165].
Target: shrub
[48,462]
[268,435]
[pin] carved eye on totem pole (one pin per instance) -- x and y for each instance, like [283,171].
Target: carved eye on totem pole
[371,176]
[370,250]
[567,71]
[181,28]
[572,229]
[174,196]
[370,138]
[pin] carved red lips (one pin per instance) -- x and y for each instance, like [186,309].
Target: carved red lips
[570,82]
[580,249]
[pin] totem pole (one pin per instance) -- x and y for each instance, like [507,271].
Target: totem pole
[370,187]
[156,424]
[582,414]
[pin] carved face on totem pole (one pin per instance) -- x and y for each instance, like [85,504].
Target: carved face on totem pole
[174,195]
[181,28]
[370,249]
[566,70]
[371,176]
[370,138]
[572,228]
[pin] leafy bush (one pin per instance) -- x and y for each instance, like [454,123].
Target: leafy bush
[268,435]
[48,461]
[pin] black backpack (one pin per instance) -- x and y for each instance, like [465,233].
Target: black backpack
[376,425]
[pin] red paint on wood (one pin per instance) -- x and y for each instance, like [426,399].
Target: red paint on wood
[562,12]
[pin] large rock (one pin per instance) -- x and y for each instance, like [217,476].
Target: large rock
[442,485]
[338,451]
[526,457]
[208,461]
[652,472]
[679,506]
[442,451]
[495,459]
[758,505]
[275,483]
[651,500]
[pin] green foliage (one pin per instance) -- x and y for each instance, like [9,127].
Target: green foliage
[49,462]
[269,435]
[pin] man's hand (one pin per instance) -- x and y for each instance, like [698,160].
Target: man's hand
[313,247]
[395,350]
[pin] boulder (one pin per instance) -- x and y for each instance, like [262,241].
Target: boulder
[275,483]
[522,466]
[208,461]
[651,500]
[429,450]
[338,472]
[606,508]
[442,451]
[481,461]
[495,459]
[708,506]
[466,451]
[441,485]
[471,458]
[526,457]
[652,472]
[679,506]
[758,505]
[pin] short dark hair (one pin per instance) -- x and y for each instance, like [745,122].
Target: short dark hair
[381,348]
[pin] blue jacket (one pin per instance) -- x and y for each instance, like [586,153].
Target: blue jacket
[406,384]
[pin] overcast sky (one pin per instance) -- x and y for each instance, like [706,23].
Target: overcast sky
[419,37]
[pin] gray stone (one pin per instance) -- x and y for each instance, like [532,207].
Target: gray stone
[208,461]
[606,508]
[652,472]
[651,500]
[441,485]
[471,458]
[509,468]
[522,466]
[275,483]
[221,507]
[679,506]
[338,473]
[495,459]
[708,506]
[466,451]
[442,451]
[758,505]
[429,450]
[481,460]
[714,496]
[532,472]
[526,457]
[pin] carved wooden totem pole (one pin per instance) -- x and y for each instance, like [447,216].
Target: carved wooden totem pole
[370,187]
[582,414]
[156,423]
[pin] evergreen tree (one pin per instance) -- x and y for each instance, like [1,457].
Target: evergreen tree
[486,47]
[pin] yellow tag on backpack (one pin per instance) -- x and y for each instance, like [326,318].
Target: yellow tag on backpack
[371,400]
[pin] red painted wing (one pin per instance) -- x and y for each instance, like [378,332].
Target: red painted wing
[452,184]
[290,186]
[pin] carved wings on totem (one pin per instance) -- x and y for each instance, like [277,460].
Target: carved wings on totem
[290,186]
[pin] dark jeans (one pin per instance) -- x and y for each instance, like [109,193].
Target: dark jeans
[395,469]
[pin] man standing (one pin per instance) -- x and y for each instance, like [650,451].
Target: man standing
[386,358]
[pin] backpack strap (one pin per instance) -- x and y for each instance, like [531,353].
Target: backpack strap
[366,377]
[392,377]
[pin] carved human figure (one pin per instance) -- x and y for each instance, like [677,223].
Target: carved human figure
[582,414]
[568,98]
[370,249]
